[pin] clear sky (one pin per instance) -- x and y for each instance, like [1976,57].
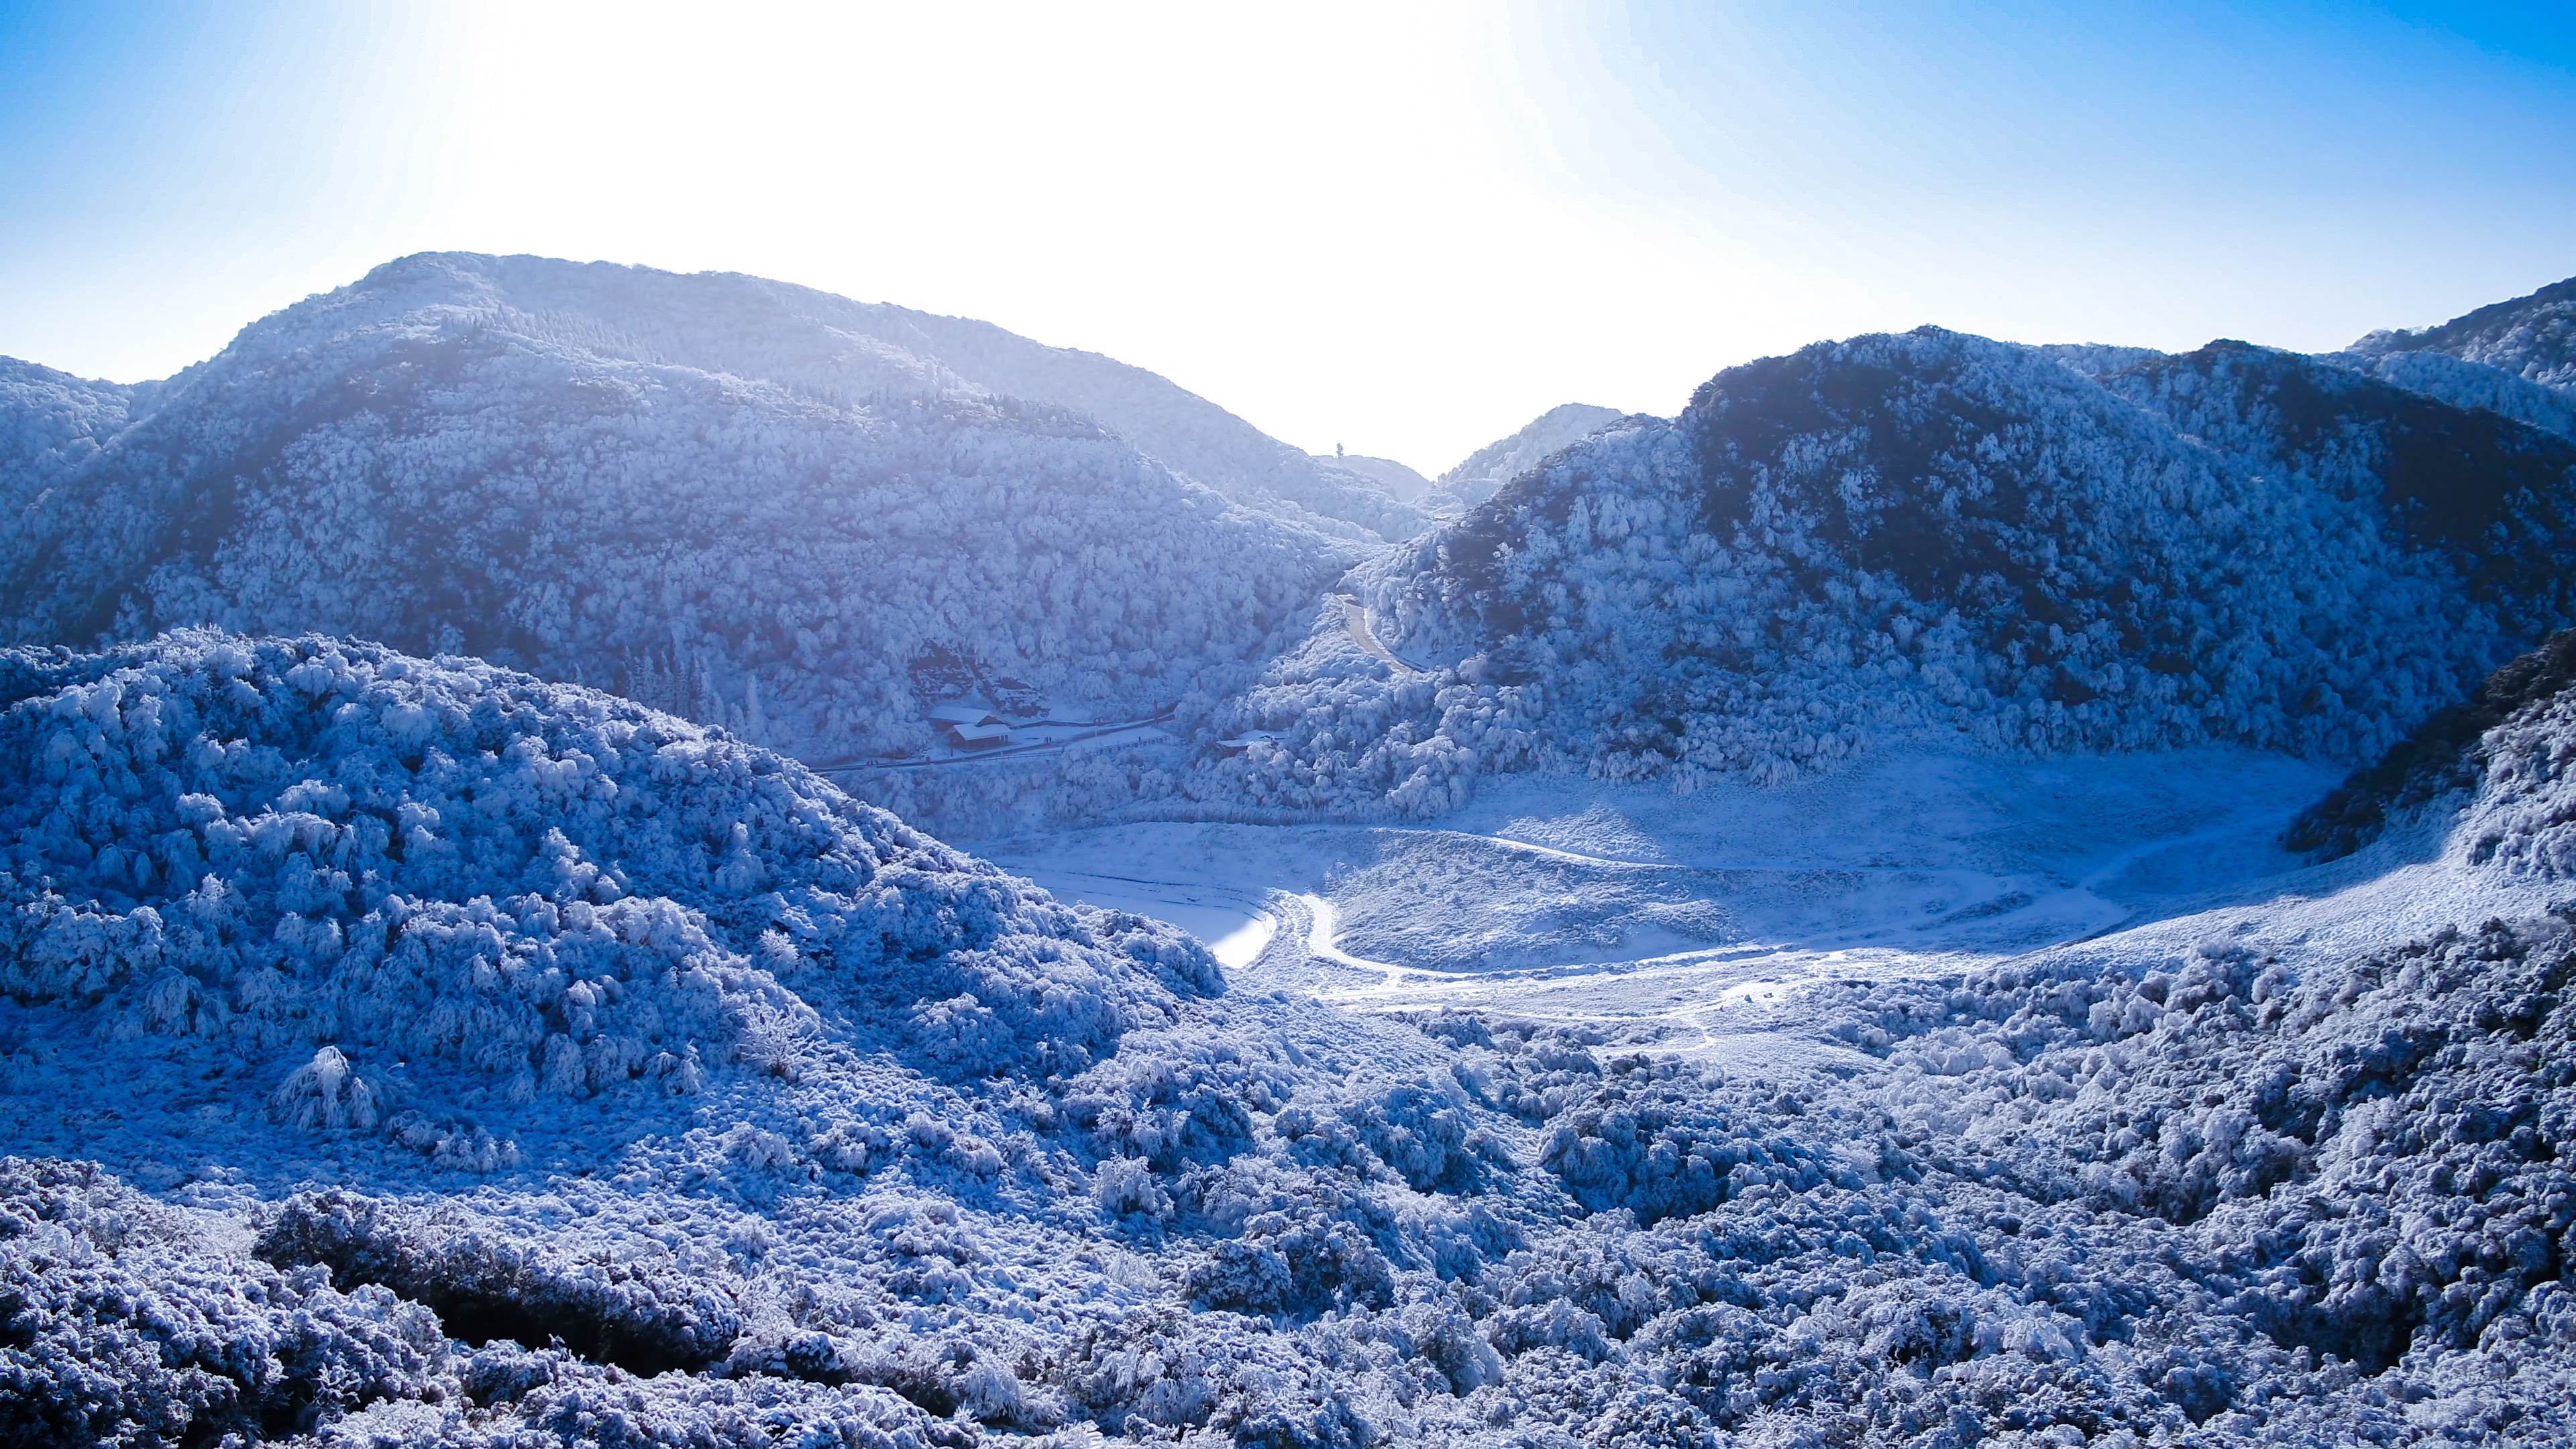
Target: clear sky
[1406,229]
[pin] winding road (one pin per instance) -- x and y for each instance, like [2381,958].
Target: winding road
[1355,617]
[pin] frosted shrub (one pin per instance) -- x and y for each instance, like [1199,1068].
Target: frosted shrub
[324,1093]
[126,1323]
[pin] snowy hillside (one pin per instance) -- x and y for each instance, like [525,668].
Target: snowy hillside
[2453,380]
[690,489]
[2532,338]
[478,1061]
[1397,479]
[845,353]
[2494,744]
[2490,497]
[1485,471]
[2094,359]
[1937,536]
[51,423]
[2470,385]
[1184,431]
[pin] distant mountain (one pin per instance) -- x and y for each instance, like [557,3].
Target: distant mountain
[1397,479]
[1486,470]
[720,495]
[2532,338]
[1184,431]
[2452,379]
[1941,536]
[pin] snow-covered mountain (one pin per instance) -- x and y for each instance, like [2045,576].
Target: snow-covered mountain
[510,1064]
[1184,431]
[2532,338]
[1483,473]
[2097,359]
[721,495]
[2489,496]
[1402,482]
[408,1050]
[402,924]
[1937,536]
[2469,385]
[2516,358]
[2452,379]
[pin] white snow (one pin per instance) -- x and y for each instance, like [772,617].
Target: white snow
[1672,969]
[1577,900]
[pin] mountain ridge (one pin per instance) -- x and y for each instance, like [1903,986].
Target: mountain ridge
[412,461]
[1934,534]
[2531,337]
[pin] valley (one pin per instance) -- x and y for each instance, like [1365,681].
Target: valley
[1629,907]
[596,856]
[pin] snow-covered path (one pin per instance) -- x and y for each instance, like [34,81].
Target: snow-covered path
[1355,617]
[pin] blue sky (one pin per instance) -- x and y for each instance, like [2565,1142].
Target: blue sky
[1405,229]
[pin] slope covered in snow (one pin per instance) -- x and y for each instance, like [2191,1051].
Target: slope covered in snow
[508,1064]
[50,424]
[2094,359]
[1482,473]
[705,492]
[399,1050]
[1184,431]
[2532,338]
[600,1027]
[1397,479]
[2495,741]
[2470,385]
[1937,536]
[2470,482]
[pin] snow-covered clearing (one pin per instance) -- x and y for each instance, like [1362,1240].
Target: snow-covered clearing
[1695,916]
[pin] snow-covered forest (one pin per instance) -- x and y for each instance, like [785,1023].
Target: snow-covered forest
[810,520]
[430,459]
[505,1062]
[1483,473]
[1938,536]
[480,965]
[2532,338]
